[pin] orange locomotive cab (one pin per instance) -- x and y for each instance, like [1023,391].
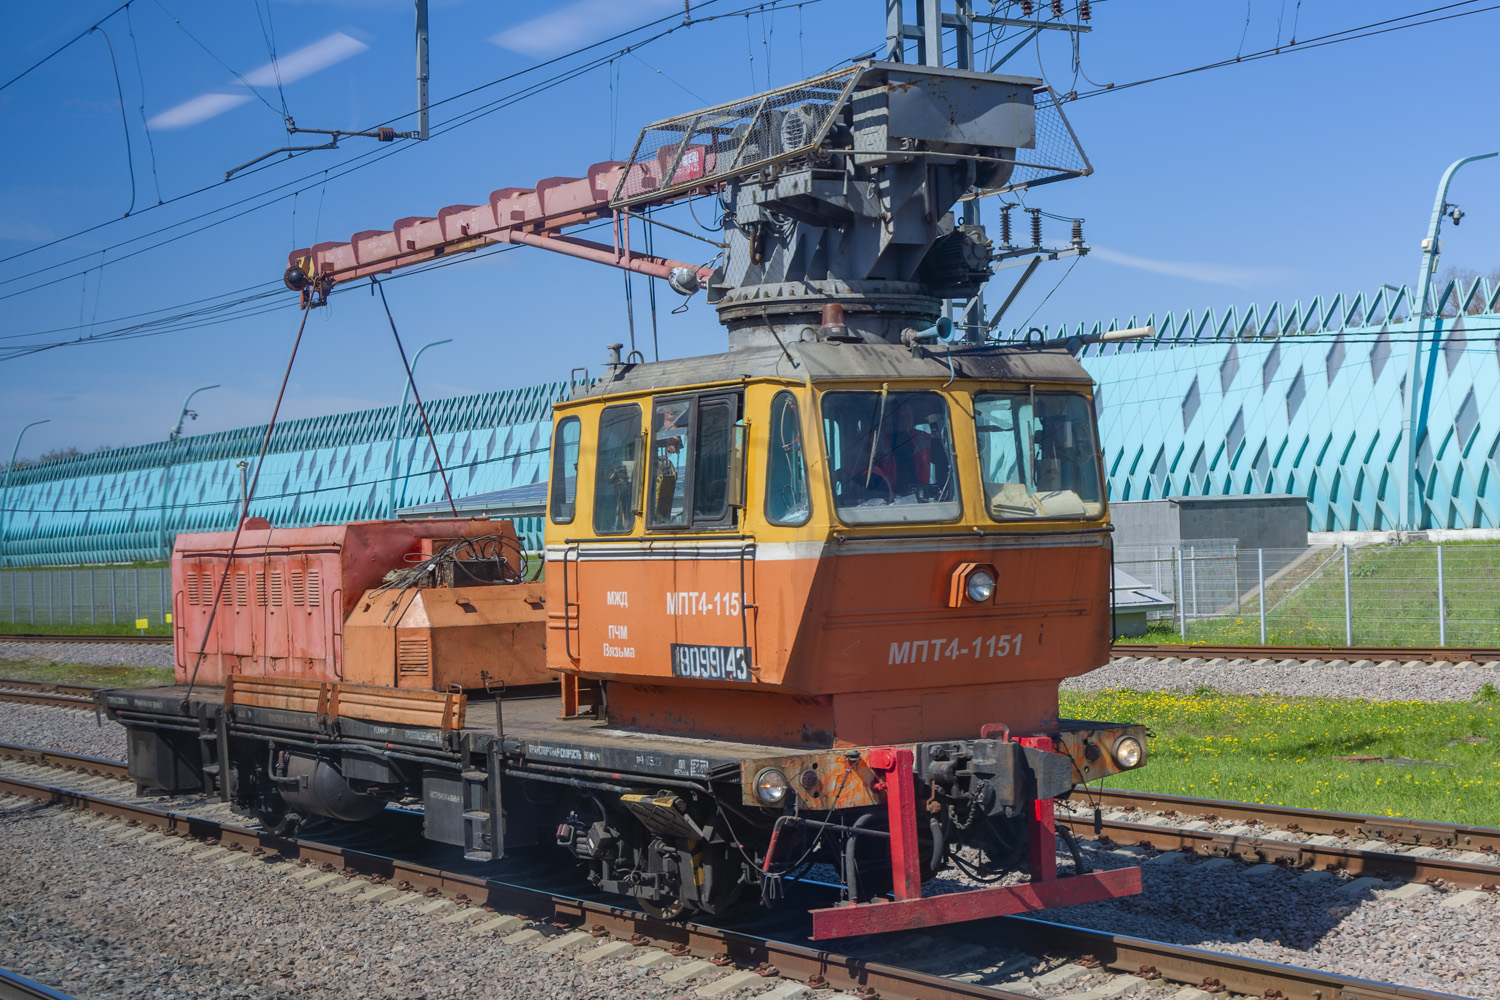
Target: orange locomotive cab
[849,544]
[864,568]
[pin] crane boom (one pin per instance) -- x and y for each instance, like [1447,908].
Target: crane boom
[836,197]
[533,216]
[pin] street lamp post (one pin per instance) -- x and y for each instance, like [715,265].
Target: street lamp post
[401,425]
[166,469]
[1419,375]
[5,490]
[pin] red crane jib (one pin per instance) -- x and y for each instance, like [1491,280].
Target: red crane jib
[534,216]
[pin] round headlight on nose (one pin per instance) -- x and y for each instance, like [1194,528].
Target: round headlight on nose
[980,586]
[770,786]
[1128,751]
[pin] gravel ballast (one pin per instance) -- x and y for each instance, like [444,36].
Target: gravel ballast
[1336,679]
[1315,919]
[93,914]
[102,654]
[67,729]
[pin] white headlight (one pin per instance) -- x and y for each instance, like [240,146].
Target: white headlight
[770,786]
[981,586]
[1128,751]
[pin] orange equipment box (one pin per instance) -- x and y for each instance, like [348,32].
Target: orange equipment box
[282,608]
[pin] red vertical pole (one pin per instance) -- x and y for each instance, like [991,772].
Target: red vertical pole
[896,765]
[1042,845]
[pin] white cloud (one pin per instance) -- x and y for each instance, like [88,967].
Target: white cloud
[1214,274]
[199,109]
[307,60]
[21,231]
[577,24]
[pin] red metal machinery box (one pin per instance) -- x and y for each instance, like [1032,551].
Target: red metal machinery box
[282,608]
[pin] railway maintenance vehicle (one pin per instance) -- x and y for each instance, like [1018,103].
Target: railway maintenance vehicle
[806,601]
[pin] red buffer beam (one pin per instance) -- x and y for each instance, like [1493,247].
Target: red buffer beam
[534,216]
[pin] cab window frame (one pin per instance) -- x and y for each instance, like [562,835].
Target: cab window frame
[628,417]
[777,450]
[688,425]
[841,511]
[560,498]
[1026,465]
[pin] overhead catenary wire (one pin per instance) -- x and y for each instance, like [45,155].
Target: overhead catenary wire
[354,160]
[124,122]
[355,163]
[368,157]
[268,32]
[215,57]
[58,51]
[1332,38]
[141,81]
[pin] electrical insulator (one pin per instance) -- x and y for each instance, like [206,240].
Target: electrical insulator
[1005,225]
[1027,7]
[1083,10]
[1036,226]
[1057,10]
[1078,232]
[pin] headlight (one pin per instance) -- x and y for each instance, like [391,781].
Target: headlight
[770,786]
[1128,751]
[981,586]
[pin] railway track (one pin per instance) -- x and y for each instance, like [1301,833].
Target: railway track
[17,987]
[110,640]
[1351,654]
[561,923]
[1298,839]
[48,693]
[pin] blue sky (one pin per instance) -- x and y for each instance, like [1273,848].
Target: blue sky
[1308,173]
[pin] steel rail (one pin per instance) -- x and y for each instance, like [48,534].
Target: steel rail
[1312,822]
[1294,854]
[1424,654]
[14,986]
[47,693]
[808,964]
[104,767]
[1213,971]
[112,640]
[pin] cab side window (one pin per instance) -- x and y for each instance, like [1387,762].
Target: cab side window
[787,497]
[617,470]
[716,419]
[564,486]
[692,456]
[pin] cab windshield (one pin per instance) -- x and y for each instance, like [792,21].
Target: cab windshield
[891,457]
[1037,455]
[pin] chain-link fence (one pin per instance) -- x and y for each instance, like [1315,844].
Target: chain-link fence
[102,596]
[1415,594]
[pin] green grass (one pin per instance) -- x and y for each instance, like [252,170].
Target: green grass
[84,673]
[1393,597]
[1285,751]
[118,628]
